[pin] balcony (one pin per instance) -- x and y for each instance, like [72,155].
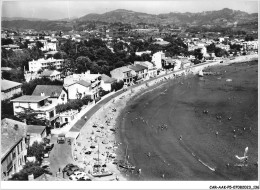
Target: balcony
[45,107]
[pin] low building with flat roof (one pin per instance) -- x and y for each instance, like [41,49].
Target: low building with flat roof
[9,88]
[39,105]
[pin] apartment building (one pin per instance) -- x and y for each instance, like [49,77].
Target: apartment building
[36,65]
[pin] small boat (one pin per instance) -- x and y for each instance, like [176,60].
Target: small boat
[201,73]
[125,164]
[102,172]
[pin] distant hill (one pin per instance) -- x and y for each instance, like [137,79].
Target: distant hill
[22,18]
[38,25]
[224,16]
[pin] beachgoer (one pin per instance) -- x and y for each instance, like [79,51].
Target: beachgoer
[162,175]
[227,165]
[180,138]
[139,171]
[216,133]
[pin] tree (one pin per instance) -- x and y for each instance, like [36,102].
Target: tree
[13,75]
[83,63]
[37,150]
[117,85]
[220,52]
[28,169]
[31,117]
[7,41]
[249,38]
[60,55]
[39,45]
[197,53]
[28,87]
[211,48]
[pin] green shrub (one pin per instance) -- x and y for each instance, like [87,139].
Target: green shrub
[73,104]
[117,85]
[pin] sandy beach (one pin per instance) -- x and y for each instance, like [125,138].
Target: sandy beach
[104,131]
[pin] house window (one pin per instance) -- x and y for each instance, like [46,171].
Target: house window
[18,150]
[51,114]
[66,119]
[14,155]
[41,103]
[21,145]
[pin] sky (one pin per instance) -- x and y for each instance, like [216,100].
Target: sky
[67,9]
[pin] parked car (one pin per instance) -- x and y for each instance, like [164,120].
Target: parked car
[61,139]
[78,175]
[84,179]
[67,167]
[46,140]
[49,147]
[46,155]
[70,169]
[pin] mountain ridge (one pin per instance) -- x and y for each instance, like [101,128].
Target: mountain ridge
[128,16]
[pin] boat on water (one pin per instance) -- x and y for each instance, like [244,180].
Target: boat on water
[201,74]
[125,164]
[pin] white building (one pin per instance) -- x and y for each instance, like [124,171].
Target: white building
[177,65]
[68,116]
[9,88]
[51,74]
[39,105]
[152,70]
[91,84]
[48,46]
[157,59]
[123,73]
[250,45]
[57,94]
[106,82]
[223,46]
[78,90]
[143,52]
[36,65]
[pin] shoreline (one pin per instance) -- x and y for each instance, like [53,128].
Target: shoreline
[106,113]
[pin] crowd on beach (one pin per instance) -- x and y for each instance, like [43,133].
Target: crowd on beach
[97,138]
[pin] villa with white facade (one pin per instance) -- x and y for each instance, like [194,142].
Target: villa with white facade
[36,65]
